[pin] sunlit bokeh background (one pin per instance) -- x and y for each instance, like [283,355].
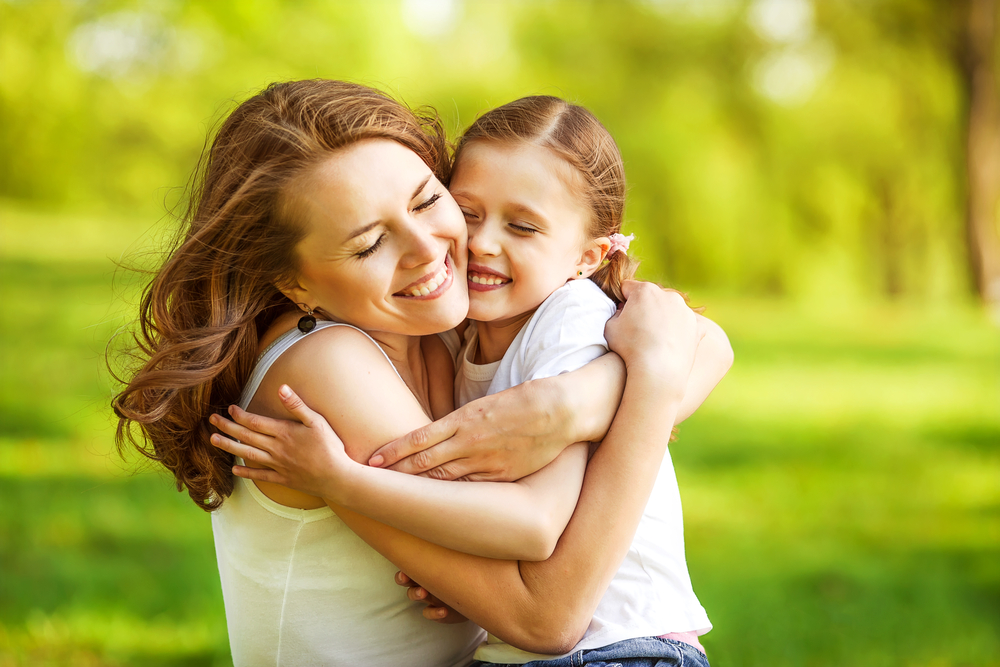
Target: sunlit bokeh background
[816,172]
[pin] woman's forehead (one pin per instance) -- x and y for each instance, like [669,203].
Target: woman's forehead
[359,184]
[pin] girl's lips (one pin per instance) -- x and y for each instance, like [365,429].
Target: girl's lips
[485,279]
[445,282]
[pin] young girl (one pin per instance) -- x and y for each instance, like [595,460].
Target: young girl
[541,184]
[542,187]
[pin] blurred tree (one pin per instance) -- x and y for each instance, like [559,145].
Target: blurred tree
[979,58]
[789,147]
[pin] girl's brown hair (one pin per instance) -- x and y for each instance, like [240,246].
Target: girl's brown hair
[203,313]
[576,136]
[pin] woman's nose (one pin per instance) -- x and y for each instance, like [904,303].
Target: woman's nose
[483,240]
[423,246]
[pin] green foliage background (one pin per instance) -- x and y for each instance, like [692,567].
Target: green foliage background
[841,487]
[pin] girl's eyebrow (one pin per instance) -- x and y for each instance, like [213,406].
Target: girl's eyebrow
[524,208]
[361,230]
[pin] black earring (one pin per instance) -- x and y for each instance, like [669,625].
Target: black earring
[307,322]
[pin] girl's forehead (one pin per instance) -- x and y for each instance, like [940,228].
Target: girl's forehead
[482,161]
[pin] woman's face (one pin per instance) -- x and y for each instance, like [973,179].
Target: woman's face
[385,243]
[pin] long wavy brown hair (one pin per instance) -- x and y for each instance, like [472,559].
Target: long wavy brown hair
[203,313]
[575,135]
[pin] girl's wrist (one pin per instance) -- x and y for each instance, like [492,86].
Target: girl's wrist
[345,483]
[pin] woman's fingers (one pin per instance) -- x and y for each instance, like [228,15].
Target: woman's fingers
[242,450]
[452,470]
[413,447]
[238,431]
[297,406]
[256,424]
[258,474]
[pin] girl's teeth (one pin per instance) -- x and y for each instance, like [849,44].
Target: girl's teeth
[486,280]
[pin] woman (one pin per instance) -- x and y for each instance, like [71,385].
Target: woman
[328,197]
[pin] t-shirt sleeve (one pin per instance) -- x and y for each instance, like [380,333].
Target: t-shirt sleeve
[566,333]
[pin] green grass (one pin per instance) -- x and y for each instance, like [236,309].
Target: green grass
[841,488]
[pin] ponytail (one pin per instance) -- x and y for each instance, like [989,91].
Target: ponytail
[618,268]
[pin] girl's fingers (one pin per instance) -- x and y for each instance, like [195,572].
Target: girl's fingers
[297,406]
[258,474]
[403,579]
[416,593]
[244,451]
[434,613]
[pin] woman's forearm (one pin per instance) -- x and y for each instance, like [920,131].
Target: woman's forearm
[712,361]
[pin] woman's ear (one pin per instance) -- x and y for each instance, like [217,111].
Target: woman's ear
[594,252]
[298,294]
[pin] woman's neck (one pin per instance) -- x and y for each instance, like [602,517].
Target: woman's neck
[496,337]
[407,356]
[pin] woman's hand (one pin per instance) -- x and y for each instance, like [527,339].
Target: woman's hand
[305,455]
[511,434]
[435,610]
[498,438]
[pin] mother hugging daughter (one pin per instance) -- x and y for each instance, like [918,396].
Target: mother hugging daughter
[322,252]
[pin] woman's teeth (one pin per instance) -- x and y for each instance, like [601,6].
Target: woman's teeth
[486,280]
[423,289]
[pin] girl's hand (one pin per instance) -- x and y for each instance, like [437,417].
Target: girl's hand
[655,332]
[305,455]
[435,610]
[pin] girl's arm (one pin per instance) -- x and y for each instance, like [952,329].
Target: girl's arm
[521,520]
[486,439]
[546,607]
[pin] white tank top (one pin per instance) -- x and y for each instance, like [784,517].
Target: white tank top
[300,588]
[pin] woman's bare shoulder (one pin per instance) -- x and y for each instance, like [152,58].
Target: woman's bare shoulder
[343,374]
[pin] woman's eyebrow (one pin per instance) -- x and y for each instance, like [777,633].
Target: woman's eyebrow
[422,185]
[362,230]
[358,232]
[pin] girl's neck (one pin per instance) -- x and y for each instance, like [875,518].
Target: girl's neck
[496,337]
[406,355]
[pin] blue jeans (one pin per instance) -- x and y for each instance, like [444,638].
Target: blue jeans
[639,652]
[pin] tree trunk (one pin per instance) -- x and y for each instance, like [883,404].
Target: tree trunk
[983,151]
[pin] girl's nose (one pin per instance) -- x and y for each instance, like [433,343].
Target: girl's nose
[483,240]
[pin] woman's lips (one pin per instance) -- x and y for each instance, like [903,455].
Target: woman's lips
[485,279]
[432,285]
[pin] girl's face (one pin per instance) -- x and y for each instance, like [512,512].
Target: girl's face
[384,248]
[526,227]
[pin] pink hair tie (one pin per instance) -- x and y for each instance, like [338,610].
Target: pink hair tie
[619,242]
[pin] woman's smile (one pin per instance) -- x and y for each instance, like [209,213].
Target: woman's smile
[432,285]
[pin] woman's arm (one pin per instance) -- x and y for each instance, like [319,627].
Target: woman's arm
[521,520]
[493,438]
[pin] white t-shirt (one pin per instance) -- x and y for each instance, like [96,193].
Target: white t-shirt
[651,593]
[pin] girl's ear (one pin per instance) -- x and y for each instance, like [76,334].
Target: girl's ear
[594,252]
